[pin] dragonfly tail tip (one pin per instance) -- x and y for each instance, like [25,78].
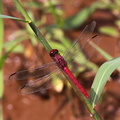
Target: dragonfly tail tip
[11,75]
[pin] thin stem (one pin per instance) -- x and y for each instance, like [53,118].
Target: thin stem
[24,13]
[1,112]
[86,101]
[32,25]
[1,71]
[40,36]
[54,13]
[1,29]
[93,112]
[1,47]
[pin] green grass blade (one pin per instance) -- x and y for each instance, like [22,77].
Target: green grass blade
[1,47]
[1,71]
[33,26]
[19,48]
[101,78]
[24,13]
[101,51]
[111,31]
[14,18]
[54,12]
[4,57]
[40,36]
[79,18]
[1,113]
[1,83]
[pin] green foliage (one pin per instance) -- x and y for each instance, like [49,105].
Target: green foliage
[4,57]
[18,47]
[55,32]
[1,71]
[14,18]
[101,78]
[22,10]
[1,111]
[111,31]
[114,8]
[79,18]
[101,51]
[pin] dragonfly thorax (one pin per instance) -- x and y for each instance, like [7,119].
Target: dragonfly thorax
[58,58]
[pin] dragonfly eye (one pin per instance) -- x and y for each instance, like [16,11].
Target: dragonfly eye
[53,52]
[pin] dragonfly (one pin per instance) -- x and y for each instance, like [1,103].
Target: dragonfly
[38,77]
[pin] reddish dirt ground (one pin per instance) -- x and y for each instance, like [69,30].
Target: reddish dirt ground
[52,105]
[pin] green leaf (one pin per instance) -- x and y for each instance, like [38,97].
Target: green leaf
[109,31]
[117,22]
[101,78]
[58,34]
[117,2]
[19,48]
[23,11]
[4,57]
[101,51]
[1,70]
[14,18]
[34,4]
[79,18]
[60,47]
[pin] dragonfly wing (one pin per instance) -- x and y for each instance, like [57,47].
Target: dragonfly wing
[40,84]
[34,73]
[83,38]
[85,54]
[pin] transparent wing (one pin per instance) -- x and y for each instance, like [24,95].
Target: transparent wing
[83,39]
[34,73]
[36,79]
[40,84]
[87,49]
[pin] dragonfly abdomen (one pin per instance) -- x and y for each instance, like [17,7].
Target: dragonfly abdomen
[75,81]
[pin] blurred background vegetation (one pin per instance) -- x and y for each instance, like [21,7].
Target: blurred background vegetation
[60,22]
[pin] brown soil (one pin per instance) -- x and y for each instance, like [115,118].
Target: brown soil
[53,105]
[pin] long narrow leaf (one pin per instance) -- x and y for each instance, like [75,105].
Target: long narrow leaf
[109,31]
[19,47]
[22,10]
[1,71]
[33,26]
[4,57]
[1,47]
[101,78]
[101,51]
[14,18]
[79,18]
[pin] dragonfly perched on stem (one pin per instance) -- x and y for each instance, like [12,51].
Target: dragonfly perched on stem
[39,76]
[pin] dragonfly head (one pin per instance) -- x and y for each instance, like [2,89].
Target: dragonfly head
[53,52]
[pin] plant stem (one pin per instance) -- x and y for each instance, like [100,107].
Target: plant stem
[55,15]
[93,112]
[1,47]
[86,101]
[40,36]
[32,25]
[1,71]
[24,13]
[1,112]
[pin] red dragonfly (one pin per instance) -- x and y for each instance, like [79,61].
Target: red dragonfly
[39,76]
